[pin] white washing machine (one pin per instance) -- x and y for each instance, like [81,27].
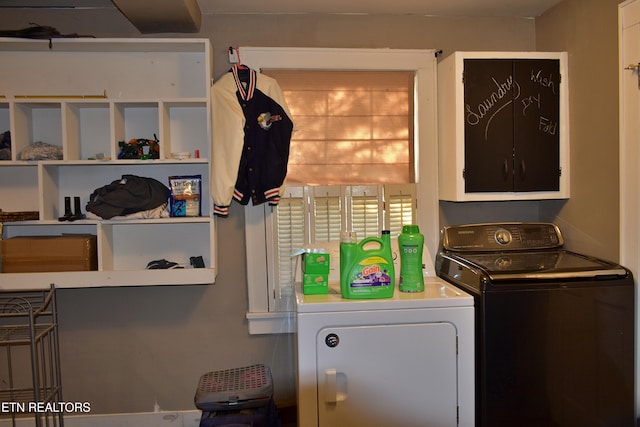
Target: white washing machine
[407,360]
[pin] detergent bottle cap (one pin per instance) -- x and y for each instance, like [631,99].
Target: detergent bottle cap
[410,229]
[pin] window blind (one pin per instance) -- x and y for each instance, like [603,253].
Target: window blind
[352,127]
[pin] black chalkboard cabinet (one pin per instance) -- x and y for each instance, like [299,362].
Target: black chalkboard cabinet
[503,126]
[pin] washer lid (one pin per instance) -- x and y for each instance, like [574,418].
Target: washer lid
[540,265]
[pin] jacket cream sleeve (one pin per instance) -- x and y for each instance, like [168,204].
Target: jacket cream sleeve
[227,141]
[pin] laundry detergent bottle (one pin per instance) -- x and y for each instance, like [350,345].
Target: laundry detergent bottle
[348,244]
[367,270]
[410,243]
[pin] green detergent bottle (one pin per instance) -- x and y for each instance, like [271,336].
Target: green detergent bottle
[348,244]
[366,268]
[410,243]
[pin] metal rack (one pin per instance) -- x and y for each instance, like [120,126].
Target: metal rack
[30,380]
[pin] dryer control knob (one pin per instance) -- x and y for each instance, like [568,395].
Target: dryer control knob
[331,340]
[503,236]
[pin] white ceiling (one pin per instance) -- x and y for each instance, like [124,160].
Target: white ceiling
[184,16]
[518,8]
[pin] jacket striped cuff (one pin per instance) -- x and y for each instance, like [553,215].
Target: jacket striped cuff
[274,193]
[221,210]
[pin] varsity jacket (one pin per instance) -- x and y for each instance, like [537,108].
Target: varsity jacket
[251,132]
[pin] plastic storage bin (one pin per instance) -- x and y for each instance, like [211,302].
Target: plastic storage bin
[234,389]
[237,397]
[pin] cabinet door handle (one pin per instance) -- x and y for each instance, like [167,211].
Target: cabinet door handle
[505,169]
[523,169]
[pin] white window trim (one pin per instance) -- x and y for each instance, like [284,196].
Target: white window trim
[423,63]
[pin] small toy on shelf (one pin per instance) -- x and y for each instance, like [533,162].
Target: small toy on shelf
[140,148]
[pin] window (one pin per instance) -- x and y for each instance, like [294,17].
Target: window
[316,214]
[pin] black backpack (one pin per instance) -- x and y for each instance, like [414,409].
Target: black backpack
[127,195]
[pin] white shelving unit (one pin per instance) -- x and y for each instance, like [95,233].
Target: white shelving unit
[86,95]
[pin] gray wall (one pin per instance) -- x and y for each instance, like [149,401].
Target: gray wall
[588,30]
[125,348]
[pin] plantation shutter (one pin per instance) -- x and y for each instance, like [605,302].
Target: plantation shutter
[315,215]
[290,237]
[400,202]
[366,211]
[326,221]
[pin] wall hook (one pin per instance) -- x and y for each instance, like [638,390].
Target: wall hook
[234,55]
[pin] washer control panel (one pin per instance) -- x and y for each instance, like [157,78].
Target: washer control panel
[501,236]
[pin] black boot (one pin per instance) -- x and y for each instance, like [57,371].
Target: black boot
[77,214]
[67,210]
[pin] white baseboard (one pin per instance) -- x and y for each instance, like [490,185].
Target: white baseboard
[142,419]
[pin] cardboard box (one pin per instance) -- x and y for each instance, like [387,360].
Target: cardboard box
[315,284]
[314,263]
[27,254]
